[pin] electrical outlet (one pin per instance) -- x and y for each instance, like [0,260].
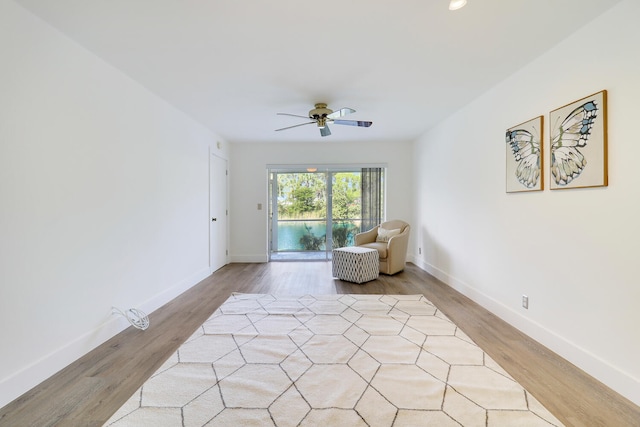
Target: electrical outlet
[419,251]
[525,301]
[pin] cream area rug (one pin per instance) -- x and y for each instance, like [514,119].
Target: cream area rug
[331,360]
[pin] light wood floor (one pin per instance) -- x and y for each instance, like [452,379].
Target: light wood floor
[89,391]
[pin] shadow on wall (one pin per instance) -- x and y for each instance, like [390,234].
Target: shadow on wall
[434,256]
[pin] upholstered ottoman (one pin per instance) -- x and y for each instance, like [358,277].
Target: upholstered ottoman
[355,264]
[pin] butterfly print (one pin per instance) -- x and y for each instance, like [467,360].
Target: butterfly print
[567,162]
[526,151]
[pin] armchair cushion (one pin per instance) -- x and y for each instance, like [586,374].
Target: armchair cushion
[384,235]
[381,247]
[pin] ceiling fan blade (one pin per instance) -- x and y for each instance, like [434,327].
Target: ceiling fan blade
[292,115]
[325,131]
[341,113]
[295,126]
[360,123]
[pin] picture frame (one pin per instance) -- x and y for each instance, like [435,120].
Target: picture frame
[578,143]
[524,159]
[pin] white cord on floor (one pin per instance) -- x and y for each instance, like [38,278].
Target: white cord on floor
[137,318]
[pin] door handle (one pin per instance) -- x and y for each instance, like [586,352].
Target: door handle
[214,219]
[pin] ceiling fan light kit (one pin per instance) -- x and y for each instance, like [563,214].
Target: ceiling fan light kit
[323,116]
[457,4]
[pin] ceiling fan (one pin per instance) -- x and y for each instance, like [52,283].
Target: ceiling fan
[323,116]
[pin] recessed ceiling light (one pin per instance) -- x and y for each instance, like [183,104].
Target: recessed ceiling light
[457,4]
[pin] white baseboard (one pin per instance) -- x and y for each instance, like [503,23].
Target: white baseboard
[28,377]
[614,378]
[258,258]
[33,374]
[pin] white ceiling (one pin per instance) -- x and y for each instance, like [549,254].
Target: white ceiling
[404,64]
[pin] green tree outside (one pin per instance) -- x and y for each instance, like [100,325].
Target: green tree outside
[302,196]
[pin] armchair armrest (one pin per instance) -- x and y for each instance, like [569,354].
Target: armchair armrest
[397,251]
[367,236]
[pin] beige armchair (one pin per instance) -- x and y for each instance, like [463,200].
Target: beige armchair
[392,252]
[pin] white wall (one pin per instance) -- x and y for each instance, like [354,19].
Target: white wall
[573,252]
[249,184]
[104,195]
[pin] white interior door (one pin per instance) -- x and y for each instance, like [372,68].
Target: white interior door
[218,212]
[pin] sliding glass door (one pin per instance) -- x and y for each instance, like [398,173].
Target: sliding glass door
[313,212]
[298,215]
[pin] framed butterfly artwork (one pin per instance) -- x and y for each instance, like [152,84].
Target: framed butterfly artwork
[578,143]
[524,156]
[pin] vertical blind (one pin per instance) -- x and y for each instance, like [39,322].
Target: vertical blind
[372,197]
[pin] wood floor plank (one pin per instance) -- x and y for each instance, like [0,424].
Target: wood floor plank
[89,391]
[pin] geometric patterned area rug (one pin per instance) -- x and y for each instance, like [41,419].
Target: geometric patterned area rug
[330,360]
